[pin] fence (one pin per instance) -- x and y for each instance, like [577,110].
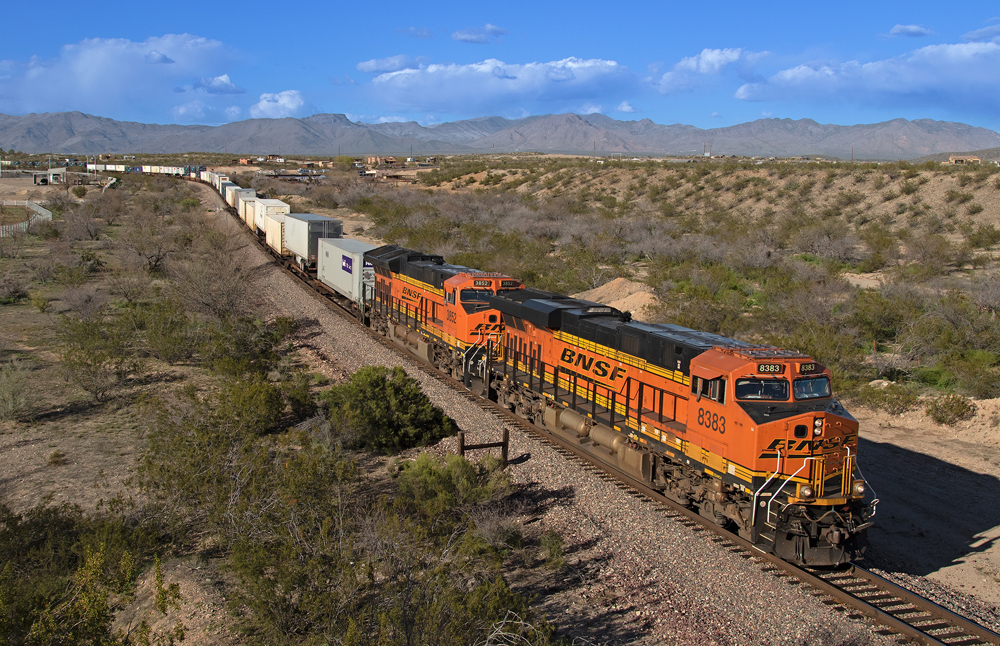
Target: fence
[7,230]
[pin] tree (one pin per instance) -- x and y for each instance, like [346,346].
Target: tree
[99,352]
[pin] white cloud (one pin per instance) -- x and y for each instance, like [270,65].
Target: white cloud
[278,106]
[909,31]
[590,108]
[416,32]
[991,33]
[156,58]
[495,86]
[389,64]
[715,115]
[691,72]
[625,106]
[114,77]
[479,36]
[219,85]
[941,75]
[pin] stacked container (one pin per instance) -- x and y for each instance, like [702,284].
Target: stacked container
[303,232]
[264,208]
[274,233]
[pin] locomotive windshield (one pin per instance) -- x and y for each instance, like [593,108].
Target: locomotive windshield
[476,295]
[770,389]
[812,388]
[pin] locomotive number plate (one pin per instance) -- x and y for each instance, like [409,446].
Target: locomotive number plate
[806,368]
[771,368]
[482,283]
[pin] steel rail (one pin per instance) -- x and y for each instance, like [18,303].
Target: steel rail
[899,610]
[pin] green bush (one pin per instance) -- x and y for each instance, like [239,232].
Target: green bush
[80,191]
[432,489]
[949,410]
[385,411]
[894,399]
[99,353]
[239,347]
[299,398]
[15,394]
[12,290]
[170,335]
[552,549]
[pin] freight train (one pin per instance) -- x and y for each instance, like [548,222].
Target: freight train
[750,436]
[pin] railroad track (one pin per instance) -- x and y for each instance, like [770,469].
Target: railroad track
[851,589]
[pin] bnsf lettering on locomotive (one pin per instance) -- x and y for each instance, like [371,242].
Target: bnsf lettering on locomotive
[412,293]
[488,327]
[805,446]
[589,364]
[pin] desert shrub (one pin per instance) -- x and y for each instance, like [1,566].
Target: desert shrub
[552,549]
[15,396]
[433,490]
[385,411]
[239,347]
[12,289]
[67,575]
[957,196]
[974,208]
[908,188]
[894,399]
[983,236]
[80,191]
[170,335]
[39,301]
[976,373]
[949,410]
[296,393]
[99,353]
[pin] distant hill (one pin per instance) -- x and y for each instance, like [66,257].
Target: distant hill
[325,134]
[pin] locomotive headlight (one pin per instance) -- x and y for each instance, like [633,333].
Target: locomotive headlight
[858,489]
[805,491]
[818,427]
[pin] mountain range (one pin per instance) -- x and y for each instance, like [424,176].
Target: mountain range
[326,134]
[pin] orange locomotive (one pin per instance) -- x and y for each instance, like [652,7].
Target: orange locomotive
[750,436]
[437,311]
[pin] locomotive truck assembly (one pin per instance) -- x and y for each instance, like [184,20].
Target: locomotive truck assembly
[750,436]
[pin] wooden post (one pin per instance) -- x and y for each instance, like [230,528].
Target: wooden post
[504,450]
[461,443]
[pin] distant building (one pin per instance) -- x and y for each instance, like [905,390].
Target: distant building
[962,160]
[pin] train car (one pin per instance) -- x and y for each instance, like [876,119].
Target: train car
[341,266]
[749,435]
[274,233]
[439,312]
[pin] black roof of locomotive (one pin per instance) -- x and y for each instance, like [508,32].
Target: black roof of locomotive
[665,344]
[428,268]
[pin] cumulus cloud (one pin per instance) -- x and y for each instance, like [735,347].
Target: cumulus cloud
[590,108]
[909,31]
[219,85]
[939,75]
[479,36]
[691,72]
[991,33]
[416,32]
[156,58]
[389,64]
[114,77]
[625,106]
[278,106]
[493,85]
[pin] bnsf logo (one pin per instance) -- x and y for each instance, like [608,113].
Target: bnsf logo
[799,446]
[598,368]
[410,293]
[488,327]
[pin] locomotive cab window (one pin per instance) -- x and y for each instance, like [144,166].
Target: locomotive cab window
[714,389]
[768,389]
[811,388]
[451,297]
[476,295]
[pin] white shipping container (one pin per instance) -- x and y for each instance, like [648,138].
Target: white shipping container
[120,168]
[303,232]
[274,233]
[340,265]
[91,167]
[239,195]
[147,169]
[224,190]
[272,206]
[231,194]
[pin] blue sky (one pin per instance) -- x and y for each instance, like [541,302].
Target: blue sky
[698,63]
